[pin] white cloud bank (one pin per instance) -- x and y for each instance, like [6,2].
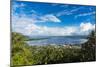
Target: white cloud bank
[87,26]
[83,29]
[27,26]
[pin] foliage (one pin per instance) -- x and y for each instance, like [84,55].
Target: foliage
[53,54]
[89,48]
[23,54]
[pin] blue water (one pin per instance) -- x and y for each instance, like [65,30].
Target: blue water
[59,40]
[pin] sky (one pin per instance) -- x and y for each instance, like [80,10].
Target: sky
[52,19]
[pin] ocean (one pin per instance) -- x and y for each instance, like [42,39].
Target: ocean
[59,40]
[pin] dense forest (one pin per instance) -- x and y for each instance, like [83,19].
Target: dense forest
[23,54]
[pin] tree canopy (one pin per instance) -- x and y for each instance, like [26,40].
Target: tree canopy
[23,54]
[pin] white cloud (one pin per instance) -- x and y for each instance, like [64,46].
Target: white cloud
[65,12]
[85,14]
[68,12]
[86,28]
[19,24]
[83,29]
[37,17]
[53,31]
[49,17]
[15,6]
[76,9]
[45,18]
[27,26]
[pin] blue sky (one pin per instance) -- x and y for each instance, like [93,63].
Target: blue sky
[35,18]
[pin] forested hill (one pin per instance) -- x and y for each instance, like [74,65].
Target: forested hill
[23,54]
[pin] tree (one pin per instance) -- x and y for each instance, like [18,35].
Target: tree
[21,53]
[89,48]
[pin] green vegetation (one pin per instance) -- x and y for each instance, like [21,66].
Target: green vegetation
[23,54]
[89,48]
